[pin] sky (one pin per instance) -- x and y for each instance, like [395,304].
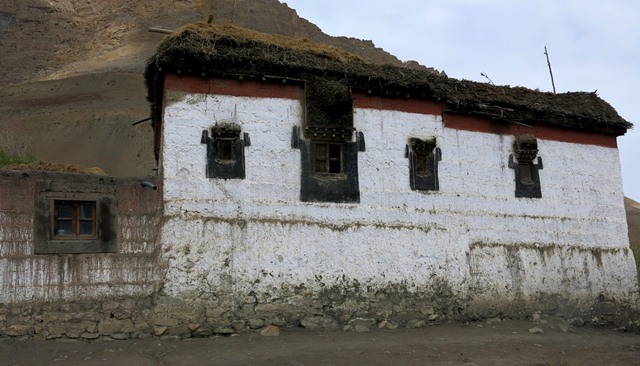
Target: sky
[592,45]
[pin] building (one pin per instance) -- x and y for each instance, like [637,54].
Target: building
[300,185]
[297,175]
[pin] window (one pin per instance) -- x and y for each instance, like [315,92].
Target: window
[74,220]
[225,152]
[526,171]
[421,164]
[423,158]
[328,158]
[224,149]
[526,176]
[69,222]
[329,164]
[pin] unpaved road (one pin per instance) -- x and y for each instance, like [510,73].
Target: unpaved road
[499,343]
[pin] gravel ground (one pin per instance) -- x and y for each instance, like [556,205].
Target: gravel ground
[501,342]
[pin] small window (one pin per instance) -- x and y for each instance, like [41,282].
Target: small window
[526,174]
[224,149]
[74,220]
[421,164]
[328,158]
[526,166]
[423,155]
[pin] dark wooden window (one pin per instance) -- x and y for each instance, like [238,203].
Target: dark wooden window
[225,152]
[527,166]
[328,167]
[526,174]
[423,157]
[328,158]
[75,220]
[224,149]
[421,163]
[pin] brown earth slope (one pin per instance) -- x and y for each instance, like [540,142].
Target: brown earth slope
[42,39]
[85,120]
[633,221]
[71,71]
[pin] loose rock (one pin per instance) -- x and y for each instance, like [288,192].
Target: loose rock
[361,328]
[577,322]
[224,330]
[387,324]
[203,332]
[270,331]
[120,336]
[318,322]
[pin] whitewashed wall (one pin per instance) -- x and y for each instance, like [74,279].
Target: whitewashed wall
[255,236]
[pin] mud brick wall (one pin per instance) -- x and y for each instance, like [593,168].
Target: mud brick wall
[77,295]
[254,251]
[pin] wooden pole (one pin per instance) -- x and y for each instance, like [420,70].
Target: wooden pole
[550,72]
[486,76]
[160,30]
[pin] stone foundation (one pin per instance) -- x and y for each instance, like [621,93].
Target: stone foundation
[111,318]
[347,308]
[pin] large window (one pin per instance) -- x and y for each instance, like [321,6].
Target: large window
[75,220]
[329,164]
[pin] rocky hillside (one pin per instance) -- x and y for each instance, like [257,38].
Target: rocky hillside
[72,71]
[51,39]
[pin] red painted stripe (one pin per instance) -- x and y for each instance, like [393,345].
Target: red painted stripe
[250,88]
[543,132]
[397,104]
[233,87]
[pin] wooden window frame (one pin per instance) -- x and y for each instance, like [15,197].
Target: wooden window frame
[421,163]
[225,152]
[224,148]
[526,173]
[103,239]
[331,161]
[75,219]
[316,186]
[526,166]
[424,155]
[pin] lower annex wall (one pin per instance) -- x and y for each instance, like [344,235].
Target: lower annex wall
[83,296]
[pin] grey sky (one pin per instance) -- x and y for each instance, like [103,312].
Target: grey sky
[592,45]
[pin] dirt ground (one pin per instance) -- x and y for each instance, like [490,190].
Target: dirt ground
[482,343]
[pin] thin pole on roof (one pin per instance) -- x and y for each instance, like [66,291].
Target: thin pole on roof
[486,76]
[550,72]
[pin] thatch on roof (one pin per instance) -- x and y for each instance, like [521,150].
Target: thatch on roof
[213,49]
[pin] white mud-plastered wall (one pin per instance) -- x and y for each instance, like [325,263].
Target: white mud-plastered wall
[472,246]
